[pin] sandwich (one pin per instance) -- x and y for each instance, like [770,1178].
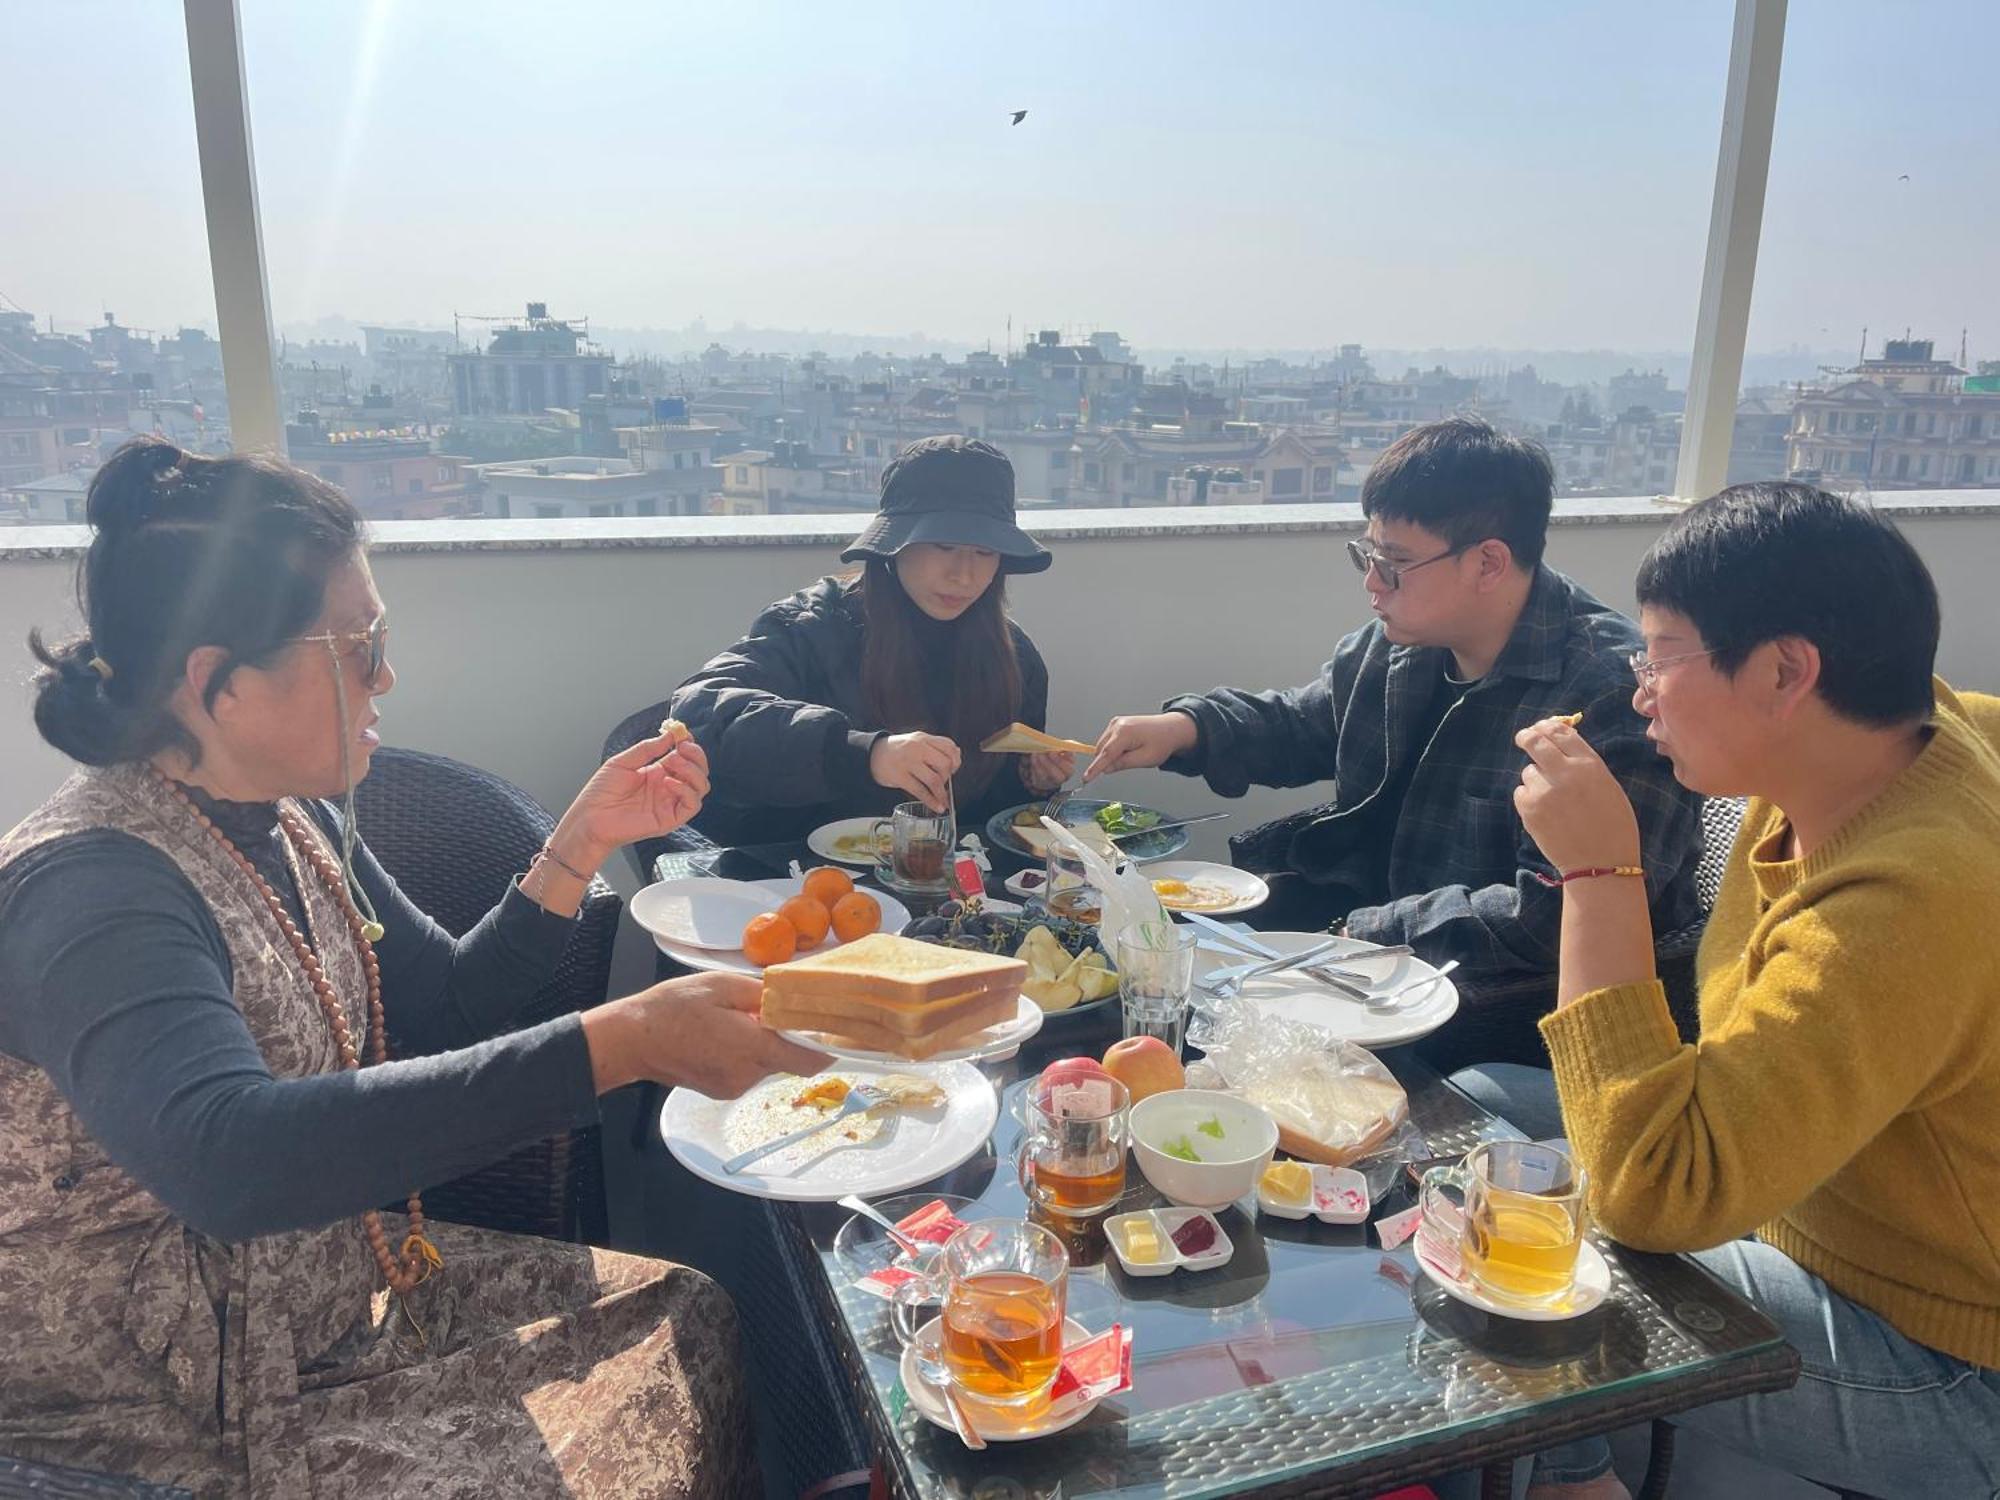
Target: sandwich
[894,994]
[1020,739]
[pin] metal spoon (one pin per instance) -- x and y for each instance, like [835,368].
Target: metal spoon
[915,1248]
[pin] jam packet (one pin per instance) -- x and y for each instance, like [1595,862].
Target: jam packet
[932,1224]
[1100,1366]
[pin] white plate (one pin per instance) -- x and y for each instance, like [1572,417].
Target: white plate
[994,1041]
[1297,998]
[914,1146]
[823,841]
[702,912]
[895,917]
[1248,891]
[1593,1285]
[992,1424]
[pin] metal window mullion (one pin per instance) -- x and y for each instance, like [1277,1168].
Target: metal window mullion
[1735,220]
[235,233]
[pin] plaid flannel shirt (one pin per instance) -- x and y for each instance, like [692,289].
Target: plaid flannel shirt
[1460,865]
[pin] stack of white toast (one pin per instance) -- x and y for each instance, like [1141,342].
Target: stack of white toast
[894,994]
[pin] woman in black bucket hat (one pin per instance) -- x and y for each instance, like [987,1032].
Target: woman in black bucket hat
[876,688]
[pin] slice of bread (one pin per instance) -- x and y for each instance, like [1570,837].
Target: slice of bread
[1022,739]
[907,1015]
[962,1023]
[841,1012]
[1331,1119]
[885,969]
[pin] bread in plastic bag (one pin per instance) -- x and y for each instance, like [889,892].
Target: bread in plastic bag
[1334,1102]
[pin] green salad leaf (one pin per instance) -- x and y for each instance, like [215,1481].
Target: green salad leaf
[1116,817]
[1211,1126]
[1181,1147]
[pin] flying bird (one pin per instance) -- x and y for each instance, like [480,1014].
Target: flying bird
[1020,115]
[1904,178]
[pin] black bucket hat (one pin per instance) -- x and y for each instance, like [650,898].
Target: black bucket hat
[955,491]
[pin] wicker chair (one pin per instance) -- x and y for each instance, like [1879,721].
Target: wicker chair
[453,836]
[22,1480]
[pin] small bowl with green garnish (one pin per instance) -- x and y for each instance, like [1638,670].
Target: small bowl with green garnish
[1203,1149]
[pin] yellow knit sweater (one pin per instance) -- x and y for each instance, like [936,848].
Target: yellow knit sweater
[1844,1097]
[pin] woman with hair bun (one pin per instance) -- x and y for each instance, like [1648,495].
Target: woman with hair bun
[203,976]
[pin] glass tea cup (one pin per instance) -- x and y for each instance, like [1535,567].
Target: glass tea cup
[1518,1222]
[1071,1161]
[1068,891]
[1004,1285]
[913,848]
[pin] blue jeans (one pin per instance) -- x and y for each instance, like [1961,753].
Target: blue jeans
[1873,1410]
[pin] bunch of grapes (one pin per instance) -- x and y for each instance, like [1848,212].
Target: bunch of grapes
[967,924]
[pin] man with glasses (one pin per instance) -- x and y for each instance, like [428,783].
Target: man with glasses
[1473,639]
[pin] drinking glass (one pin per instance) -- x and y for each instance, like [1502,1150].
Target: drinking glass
[913,848]
[1005,1289]
[1072,1159]
[1519,1222]
[1155,979]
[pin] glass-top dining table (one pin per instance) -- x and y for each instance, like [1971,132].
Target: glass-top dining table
[1313,1363]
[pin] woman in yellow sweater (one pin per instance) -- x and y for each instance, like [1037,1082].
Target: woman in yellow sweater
[1841,1103]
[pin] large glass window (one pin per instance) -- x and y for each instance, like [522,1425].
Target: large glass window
[800,238]
[1875,325]
[107,313]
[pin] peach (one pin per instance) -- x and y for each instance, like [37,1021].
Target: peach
[1145,1065]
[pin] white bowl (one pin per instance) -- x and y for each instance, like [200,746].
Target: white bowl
[1229,1168]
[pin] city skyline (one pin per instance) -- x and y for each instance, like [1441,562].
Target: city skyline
[1351,177]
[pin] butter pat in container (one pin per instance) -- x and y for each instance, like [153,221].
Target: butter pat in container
[1286,1189]
[1294,1190]
[1161,1241]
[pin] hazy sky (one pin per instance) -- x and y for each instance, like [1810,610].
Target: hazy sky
[1522,174]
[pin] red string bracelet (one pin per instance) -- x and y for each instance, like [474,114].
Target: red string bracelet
[1556,881]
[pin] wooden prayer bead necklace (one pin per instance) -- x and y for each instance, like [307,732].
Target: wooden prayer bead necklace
[419,1257]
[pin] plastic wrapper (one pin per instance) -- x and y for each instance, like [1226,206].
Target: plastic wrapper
[1334,1102]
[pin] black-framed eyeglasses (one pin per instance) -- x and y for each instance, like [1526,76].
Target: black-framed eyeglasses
[371,644]
[1646,670]
[1365,557]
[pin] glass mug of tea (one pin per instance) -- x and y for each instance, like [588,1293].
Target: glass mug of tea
[1068,891]
[913,848]
[1518,1222]
[1004,1285]
[1072,1159]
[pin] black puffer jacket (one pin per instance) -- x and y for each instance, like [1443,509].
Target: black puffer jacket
[780,714]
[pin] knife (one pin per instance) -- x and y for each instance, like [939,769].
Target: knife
[1228,934]
[1134,833]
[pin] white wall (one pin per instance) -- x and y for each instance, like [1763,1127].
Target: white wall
[521,661]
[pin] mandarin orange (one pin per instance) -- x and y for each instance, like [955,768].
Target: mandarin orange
[809,918]
[770,939]
[856,915]
[827,885]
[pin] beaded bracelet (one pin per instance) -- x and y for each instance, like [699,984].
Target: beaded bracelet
[1556,881]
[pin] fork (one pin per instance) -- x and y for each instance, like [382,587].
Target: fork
[1058,800]
[1225,986]
[861,1098]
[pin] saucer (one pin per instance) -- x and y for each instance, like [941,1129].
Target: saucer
[995,1424]
[1592,1286]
